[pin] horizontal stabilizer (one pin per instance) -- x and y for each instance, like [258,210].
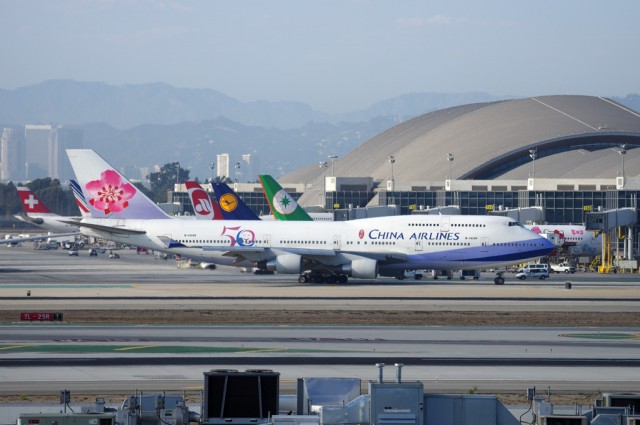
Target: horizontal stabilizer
[171,243]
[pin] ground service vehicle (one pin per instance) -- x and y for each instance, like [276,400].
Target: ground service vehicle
[532,271]
[563,268]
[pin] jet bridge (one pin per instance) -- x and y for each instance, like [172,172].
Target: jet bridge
[614,224]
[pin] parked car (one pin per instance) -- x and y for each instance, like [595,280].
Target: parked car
[73,252]
[563,268]
[540,271]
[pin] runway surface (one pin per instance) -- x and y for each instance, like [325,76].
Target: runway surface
[46,357]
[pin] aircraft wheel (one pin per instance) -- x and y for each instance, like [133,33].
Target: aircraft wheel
[331,279]
[302,279]
[343,278]
[499,280]
[418,277]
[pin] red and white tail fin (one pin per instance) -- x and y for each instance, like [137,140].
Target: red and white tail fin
[30,203]
[204,207]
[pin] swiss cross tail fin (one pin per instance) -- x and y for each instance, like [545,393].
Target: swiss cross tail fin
[31,203]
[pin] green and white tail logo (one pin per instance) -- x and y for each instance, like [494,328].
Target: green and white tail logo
[284,203]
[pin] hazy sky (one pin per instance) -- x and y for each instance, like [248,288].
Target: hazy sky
[335,55]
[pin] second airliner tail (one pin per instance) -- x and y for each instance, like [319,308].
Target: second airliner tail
[283,206]
[204,207]
[108,193]
[31,203]
[233,208]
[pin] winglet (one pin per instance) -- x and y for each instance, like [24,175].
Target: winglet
[109,193]
[283,206]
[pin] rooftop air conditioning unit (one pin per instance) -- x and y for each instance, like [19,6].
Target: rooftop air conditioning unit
[562,420]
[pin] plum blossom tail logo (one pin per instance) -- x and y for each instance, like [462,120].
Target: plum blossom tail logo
[110,194]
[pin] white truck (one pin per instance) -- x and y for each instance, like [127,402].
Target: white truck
[563,268]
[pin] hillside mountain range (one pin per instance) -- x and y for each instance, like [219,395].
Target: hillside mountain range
[123,107]
[147,124]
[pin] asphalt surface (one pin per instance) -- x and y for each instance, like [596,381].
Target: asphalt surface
[44,357]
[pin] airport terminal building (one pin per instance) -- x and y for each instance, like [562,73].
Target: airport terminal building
[559,156]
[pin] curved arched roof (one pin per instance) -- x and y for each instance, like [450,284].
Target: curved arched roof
[571,134]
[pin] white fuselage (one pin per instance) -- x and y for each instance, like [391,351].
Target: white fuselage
[576,238]
[396,243]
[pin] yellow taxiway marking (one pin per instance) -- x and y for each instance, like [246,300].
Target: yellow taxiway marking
[135,348]
[12,347]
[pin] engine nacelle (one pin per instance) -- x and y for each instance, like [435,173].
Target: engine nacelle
[286,264]
[363,268]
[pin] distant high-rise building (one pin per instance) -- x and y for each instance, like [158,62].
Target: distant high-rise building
[12,154]
[251,166]
[38,150]
[45,150]
[223,165]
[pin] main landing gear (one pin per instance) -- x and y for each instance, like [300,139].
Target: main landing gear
[309,277]
[499,280]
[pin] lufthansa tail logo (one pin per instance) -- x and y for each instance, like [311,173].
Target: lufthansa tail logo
[228,202]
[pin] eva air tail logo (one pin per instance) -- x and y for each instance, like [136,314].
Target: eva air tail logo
[284,203]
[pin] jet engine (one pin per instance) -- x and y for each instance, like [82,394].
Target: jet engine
[285,263]
[363,268]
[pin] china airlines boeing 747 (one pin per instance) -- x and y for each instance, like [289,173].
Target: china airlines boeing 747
[364,248]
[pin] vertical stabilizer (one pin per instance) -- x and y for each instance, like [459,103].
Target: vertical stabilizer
[108,193]
[233,208]
[204,207]
[80,199]
[283,206]
[31,203]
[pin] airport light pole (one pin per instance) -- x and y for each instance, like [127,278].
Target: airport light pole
[213,166]
[324,165]
[392,160]
[177,173]
[333,164]
[533,153]
[237,170]
[450,159]
[622,152]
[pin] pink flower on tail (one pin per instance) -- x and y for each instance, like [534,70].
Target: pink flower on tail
[110,193]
